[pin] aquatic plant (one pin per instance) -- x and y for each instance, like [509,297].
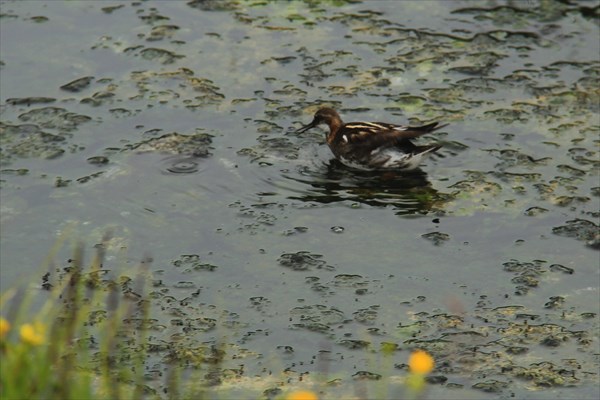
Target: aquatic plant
[86,335]
[69,348]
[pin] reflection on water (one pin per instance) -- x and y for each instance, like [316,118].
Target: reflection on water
[190,158]
[409,191]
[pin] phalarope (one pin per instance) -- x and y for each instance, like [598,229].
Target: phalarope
[373,145]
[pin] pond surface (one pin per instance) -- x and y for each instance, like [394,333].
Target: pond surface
[170,124]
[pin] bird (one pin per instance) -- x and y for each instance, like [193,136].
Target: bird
[373,145]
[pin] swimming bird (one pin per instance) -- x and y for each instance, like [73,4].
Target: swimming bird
[373,145]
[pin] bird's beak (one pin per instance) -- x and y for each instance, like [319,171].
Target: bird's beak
[307,127]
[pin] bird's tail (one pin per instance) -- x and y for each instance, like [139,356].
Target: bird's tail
[427,149]
[434,126]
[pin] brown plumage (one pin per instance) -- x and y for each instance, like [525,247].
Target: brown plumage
[373,145]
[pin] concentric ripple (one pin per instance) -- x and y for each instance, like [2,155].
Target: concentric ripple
[181,165]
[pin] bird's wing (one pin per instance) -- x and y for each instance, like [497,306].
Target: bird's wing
[371,135]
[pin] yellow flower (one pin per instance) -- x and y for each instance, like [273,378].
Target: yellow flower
[420,362]
[33,334]
[4,327]
[301,395]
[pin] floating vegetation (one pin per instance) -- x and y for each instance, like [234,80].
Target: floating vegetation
[302,261]
[437,238]
[78,85]
[197,145]
[31,141]
[180,125]
[580,229]
[54,118]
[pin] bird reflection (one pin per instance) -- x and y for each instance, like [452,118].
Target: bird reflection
[409,192]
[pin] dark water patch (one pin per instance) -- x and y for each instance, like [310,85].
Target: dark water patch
[354,344]
[98,160]
[478,64]
[584,156]
[27,101]
[318,314]
[123,112]
[163,56]
[437,238]
[18,172]
[546,374]
[340,283]
[54,118]
[561,268]
[408,192]
[535,211]
[337,229]
[280,60]
[366,376]
[513,158]
[181,86]
[366,316]
[564,201]
[476,185]
[259,303]
[269,127]
[527,274]
[570,170]
[518,16]
[162,32]
[303,261]
[255,218]
[189,263]
[195,324]
[197,144]
[152,16]
[214,5]
[317,286]
[491,386]
[30,141]
[99,98]
[358,283]
[78,85]
[515,340]
[111,9]
[295,230]
[580,229]
[555,301]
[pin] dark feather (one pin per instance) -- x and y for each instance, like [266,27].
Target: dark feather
[373,145]
[370,136]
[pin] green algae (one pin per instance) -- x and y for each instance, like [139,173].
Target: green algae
[247,232]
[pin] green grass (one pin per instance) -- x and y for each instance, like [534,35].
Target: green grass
[85,335]
[69,348]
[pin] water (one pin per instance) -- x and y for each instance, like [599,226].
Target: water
[179,139]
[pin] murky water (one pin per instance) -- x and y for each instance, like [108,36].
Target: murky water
[172,124]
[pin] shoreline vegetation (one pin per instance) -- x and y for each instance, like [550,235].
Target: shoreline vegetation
[91,340]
